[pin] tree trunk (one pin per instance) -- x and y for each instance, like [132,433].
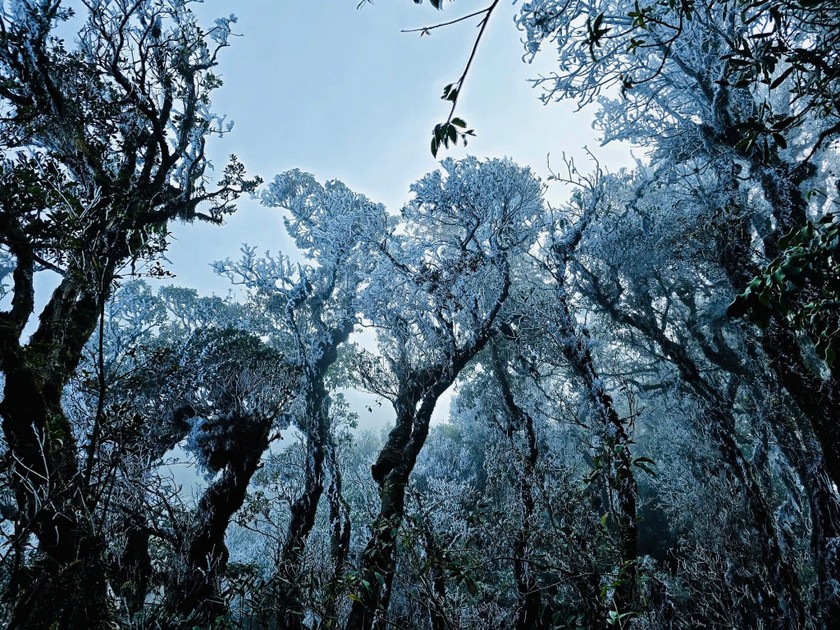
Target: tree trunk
[288,576]
[528,594]
[319,446]
[66,584]
[721,427]
[195,593]
[619,459]
[134,566]
[817,398]
[340,531]
[391,471]
[419,391]
[574,345]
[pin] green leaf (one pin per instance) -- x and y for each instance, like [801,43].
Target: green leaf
[647,469]
[780,79]
[451,134]
[450,93]
[472,587]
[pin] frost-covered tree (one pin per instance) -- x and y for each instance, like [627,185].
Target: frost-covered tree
[316,308]
[505,524]
[174,369]
[443,276]
[744,96]
[238,388]
[650,273]
[613,461]
[748,92]
[103,144]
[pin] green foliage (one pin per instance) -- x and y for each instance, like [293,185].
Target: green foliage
[595,31]
[450,131]
[802,285]
[614,618]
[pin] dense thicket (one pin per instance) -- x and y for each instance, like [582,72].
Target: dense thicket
[622,447]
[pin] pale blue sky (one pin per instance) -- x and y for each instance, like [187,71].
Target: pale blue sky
[342,93]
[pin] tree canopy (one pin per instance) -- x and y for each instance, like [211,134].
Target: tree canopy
[622,446]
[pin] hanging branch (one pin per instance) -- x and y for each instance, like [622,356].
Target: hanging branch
[454,127]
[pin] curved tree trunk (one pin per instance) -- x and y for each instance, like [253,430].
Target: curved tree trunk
[66,584]
[288,575]
[620,477]
[419,391]
[528,595]
[393,467]
[391,472]
[319,447]
[575,347]
[195,592]
[782,602]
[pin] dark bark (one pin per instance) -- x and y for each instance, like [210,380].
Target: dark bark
[618,457]
[575,347]
[418,394]
[319,447]
[419,391]
[340,530]
[391,472]
[438,578]
[82,206]
[817,398]
[339,513]
[67,583]
[134,566]
[791,434]
[803,453]
[435,563]
[782,604]
[529,596]
[288,579]
[194,593]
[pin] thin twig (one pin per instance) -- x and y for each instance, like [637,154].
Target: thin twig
[426,29]
[482,26]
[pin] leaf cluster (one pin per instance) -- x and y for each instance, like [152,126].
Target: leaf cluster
[802,285]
